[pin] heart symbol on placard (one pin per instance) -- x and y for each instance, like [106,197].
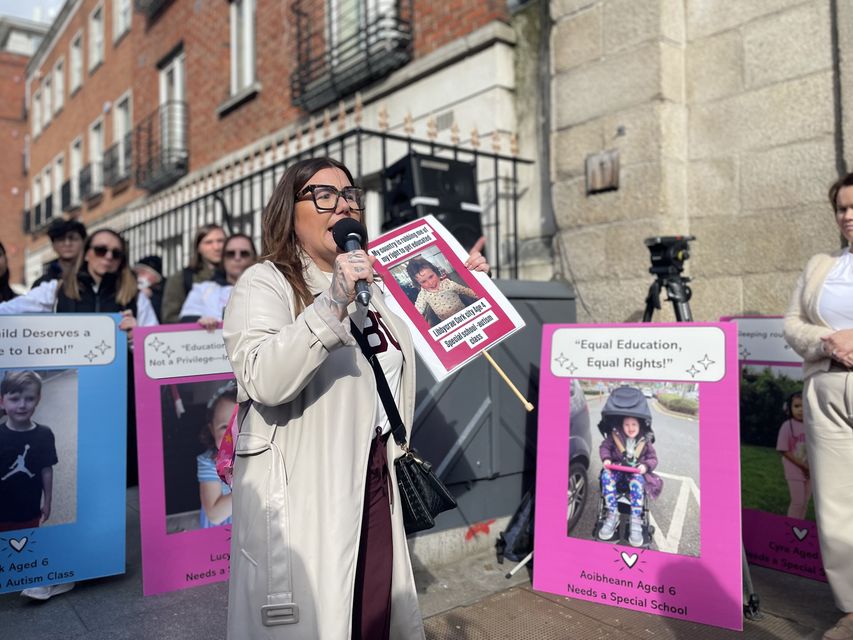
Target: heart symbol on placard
[800,533]
[18,545]
[629,559]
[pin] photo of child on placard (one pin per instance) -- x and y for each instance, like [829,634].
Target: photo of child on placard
[774,459]
[38,448]
[643,488]
[436,289]
[195,417]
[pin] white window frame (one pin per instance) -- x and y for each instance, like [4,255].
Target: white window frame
[59,85]
[75,66]
[36,188]
[75,153]
[242,44]
[96,155]
[96,39]
[379,14]
[46,100]
[58,179]
[122,17]
[173,134]
[36,112]
[118,126]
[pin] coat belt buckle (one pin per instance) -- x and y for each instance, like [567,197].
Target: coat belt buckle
[275,614]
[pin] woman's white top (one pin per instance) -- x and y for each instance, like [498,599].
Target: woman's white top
[42,299]
[836,296]
[206,300]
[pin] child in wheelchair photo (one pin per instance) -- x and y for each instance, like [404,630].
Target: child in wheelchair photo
[629,459]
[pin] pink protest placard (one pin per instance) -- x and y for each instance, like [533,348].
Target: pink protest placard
[661,399]
[455,313]
[779,528]
[185,394]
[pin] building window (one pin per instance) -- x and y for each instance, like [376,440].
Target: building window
[47,100]
[96,38]
[36,113]
[74,169]
[76,62]
[96,155]
[58,177]
[58,86]
[242,45]
[122,125]
[122,13]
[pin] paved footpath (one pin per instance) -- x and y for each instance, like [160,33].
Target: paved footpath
[467,600]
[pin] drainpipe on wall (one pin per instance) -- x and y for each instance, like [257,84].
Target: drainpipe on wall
[547,219]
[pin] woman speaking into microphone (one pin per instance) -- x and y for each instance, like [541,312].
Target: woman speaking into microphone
[318,549]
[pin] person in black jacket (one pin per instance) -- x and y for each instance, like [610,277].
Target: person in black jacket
[67,237]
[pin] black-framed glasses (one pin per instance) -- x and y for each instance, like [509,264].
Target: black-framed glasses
[326,196]
[101,251]
[242,253]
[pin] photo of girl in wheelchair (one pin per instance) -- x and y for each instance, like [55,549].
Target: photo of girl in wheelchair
[629,460]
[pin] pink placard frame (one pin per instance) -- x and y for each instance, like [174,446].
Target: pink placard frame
[178,560]
[705,589]
[770,539]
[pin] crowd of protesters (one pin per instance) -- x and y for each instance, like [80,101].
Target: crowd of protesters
[92,273]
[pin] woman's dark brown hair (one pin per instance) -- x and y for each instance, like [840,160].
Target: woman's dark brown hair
[197,261]
[279,242]
[126,287]
[6,292]
[838,185]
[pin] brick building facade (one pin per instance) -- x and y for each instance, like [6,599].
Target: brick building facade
[199,103]
[18,40]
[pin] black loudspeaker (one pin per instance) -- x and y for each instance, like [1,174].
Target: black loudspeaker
[418,185]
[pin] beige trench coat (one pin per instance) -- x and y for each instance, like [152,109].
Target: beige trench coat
[301,464]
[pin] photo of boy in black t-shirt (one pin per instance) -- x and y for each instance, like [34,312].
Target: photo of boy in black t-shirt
[27,454]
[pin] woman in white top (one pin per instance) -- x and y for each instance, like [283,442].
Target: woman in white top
[206,301]
[819,327]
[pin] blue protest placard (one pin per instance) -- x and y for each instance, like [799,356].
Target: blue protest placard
[63,438]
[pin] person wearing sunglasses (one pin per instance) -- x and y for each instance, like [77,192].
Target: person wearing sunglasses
[101,283]
[206,302]
[314,461]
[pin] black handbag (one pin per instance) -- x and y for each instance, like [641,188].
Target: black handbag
[422,495]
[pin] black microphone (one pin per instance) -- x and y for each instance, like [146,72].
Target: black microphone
[349,235]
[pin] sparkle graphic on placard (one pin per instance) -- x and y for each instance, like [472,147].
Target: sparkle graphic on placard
[168,351]
[572,368]
[743,352]
[706,362]
[103,347]
[692,371]
[561,360]
[91,355]
[156,343]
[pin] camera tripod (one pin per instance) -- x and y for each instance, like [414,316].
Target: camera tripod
[678,293]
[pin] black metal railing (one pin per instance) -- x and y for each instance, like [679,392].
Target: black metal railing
[160,153]
[150,8]
[47,209]
[36,219]
[118,160]
[340,52]
[26,216]
[238,205]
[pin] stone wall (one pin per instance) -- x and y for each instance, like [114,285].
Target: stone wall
[724,117]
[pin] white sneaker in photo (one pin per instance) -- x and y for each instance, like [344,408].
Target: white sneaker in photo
[609,527]
[46,593]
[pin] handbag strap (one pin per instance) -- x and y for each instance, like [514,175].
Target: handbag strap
[397,428]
